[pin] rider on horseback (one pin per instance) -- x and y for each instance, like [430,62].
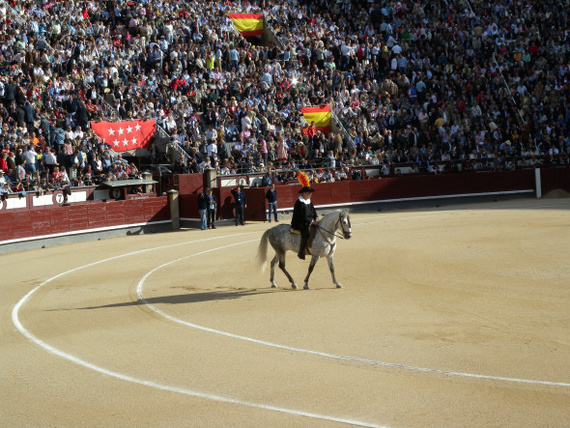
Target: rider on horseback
[304,213]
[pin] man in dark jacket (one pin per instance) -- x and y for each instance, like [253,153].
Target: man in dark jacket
[212,204]
[304,215]
[29,116]
[82,116]
[203,209]
[240,202]
[271,196]
[10,91]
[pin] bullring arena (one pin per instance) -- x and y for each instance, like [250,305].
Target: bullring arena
[449,316]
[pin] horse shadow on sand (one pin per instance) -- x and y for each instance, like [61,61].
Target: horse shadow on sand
[193,298]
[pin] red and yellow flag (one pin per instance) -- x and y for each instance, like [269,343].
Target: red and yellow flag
[248,24]
[320,115]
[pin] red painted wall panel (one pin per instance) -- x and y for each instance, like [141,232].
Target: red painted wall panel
[555,178]
[255,204]
[188,205]
[79,217]
[226,203]
[98,214]
[361,190]
[156,208]
[59,221]
[41,224]
[134,212]
[22,223]
[189,183]
[116,212]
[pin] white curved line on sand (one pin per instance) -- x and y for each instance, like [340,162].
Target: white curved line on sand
[317,353]
[102,370]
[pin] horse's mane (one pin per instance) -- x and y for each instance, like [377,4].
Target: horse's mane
[329,218]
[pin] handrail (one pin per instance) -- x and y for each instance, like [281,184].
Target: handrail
[271,34]
[13,11]
[342,129]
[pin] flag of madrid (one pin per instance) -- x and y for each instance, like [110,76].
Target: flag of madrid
[128,135]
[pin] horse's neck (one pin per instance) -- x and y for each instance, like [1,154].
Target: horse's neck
[328,223]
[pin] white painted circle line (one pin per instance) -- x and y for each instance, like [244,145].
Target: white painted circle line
[152,384]
[123,377]
[140,286]
[19,326]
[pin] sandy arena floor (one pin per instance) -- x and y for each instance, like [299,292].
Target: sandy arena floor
[450,317]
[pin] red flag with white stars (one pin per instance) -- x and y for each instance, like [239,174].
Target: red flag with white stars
[123,136]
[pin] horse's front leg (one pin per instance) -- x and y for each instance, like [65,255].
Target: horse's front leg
[314,260]
[331,267]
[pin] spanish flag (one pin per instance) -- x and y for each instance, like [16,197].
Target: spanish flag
[320,115]
[248,24]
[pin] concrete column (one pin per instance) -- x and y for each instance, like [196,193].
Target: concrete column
[174,203]
[148,176]
[538,183]
[209,178]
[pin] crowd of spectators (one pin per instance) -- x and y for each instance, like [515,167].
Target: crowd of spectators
[412,82]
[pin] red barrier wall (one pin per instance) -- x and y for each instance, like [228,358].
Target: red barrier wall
[378,189]
[407,187]
[555,178]
[34,222]
[37,221]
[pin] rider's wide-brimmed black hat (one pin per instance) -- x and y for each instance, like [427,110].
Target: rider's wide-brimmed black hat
[306,189]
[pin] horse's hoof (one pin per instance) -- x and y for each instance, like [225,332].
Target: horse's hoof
[306,287]
[339,286]
[273,285]
[294,286]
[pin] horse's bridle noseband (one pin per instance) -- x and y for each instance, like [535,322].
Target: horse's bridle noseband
[344,232]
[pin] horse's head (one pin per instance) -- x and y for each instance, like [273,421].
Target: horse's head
[345,226]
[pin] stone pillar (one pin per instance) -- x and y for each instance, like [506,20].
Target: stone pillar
[147,176]
[209,178]
[174,203]
[538,183]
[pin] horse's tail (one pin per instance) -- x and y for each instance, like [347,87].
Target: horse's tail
[262,251]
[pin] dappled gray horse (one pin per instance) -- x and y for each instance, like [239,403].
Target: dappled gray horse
[323,245]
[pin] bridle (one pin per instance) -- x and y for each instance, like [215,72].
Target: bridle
[344,232]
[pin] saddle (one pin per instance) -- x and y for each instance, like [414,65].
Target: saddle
[312,232]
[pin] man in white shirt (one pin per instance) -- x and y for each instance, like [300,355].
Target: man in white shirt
[211,134]
[30,155]
[212,149]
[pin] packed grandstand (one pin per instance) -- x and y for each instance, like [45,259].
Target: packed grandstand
[276,86]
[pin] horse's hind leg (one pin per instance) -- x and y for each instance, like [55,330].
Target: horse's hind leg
[282,267]
[331,267]
[314,260]
[272,274]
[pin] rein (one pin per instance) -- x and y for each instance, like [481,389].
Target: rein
[320,229]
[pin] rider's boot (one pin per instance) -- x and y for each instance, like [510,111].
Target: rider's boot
[301,253]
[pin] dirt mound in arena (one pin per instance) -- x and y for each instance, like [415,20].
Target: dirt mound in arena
[557,193]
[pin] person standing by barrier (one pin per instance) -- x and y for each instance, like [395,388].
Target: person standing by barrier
[212,205]
[271,197]
[202,209]
[240,203]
